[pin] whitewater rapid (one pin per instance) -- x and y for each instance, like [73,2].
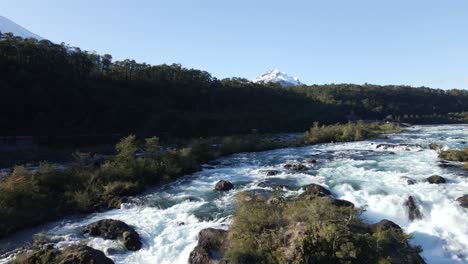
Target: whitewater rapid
[169,218]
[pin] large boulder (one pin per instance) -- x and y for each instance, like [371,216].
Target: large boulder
[314,190]
[83,255]
[392,247]
[115,229]
[413,210]
[78,254]
[208,250]
[436,179]
[385,225]
[463,200]
[224,185]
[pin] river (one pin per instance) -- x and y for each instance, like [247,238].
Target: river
[169,218]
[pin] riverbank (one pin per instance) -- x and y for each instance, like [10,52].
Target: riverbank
[372,174]
[91,183]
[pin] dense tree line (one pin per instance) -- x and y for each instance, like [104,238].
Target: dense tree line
[55,89]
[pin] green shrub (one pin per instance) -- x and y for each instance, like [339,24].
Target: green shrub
[346,132]
[307,231]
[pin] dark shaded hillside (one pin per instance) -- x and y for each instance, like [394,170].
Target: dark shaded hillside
[50,89]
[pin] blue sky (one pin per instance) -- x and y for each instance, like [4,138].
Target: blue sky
[376,41]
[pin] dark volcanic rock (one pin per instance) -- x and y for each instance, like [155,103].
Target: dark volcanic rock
[408,180]
[83,255]
[208,250]
[115,229]
[314,190]
[436,179]
[79,254]
[413,210]
[224,186]
[384,225]
[296,167]
[311,161]
[270,172]
[463,201]
[342,203]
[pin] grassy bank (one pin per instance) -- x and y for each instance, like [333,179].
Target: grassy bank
[93,183]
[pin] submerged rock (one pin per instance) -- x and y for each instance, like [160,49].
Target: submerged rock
[436,179]
[296,167]
[115,229]
[208,250]
[271,172]
[311,161]
[224,185]
[413,210]
[463,200]
[408,180]
[436,147]
[406,147]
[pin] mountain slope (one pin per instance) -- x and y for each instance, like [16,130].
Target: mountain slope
[277,76]
[7,26]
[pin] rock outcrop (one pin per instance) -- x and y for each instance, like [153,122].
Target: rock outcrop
[314,190]
[413,210]
[208,250]
[83,255]
[463,200]
[78,254]
[224,185]
[115,229]
[436,179]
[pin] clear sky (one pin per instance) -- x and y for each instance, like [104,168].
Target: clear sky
[410,42]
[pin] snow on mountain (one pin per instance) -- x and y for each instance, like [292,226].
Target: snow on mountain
[277,76]
[8,26]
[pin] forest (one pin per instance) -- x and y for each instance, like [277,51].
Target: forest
[55,90]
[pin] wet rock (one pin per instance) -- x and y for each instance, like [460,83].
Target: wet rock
[339,202]
[296,167]
[314,190]
[208,250]
[463,200]
[436,179]
[78,254]
[384,225]
[224,186]
[82,255]
[408,180]
[116,202]
[406,147]
[447,164]
[115,229]
[435,147]
[270,172]
[413,210]
[311,161]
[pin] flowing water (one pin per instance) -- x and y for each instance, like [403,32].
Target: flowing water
[169,218]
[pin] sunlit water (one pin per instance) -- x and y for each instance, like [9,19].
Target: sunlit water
[169,218]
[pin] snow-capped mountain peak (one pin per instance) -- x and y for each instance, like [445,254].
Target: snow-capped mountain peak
[8,26]
[277,76]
